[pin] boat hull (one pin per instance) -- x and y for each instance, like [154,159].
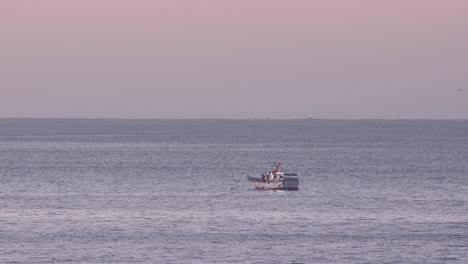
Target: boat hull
[287,184]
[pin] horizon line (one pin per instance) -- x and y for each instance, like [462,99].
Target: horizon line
[239,119]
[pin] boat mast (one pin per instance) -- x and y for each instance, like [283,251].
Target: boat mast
[277,164]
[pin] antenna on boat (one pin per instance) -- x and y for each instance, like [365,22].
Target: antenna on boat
[277,164]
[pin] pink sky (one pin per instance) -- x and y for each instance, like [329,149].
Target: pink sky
[215,58]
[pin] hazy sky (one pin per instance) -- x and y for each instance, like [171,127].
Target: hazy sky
[234,58]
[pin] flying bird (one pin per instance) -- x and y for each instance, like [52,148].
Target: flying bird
[458,90]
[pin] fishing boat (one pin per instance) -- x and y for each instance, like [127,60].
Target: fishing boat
[275,180]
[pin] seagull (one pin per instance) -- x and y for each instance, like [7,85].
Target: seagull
[458,90]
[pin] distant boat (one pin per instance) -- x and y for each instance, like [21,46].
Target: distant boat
[310,117]
[275,180]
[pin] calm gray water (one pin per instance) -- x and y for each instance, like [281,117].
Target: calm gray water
[162,191]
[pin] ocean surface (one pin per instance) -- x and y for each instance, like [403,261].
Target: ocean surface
[175,191]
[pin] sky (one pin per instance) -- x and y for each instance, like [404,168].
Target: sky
[236,59]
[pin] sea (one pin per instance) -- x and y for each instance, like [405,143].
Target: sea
[175,191]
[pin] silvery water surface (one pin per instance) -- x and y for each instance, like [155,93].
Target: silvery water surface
[174,191]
